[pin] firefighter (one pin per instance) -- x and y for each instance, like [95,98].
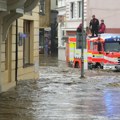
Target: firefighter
[94,26]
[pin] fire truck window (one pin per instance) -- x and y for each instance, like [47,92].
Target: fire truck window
[99,46]
[95,46]
[91,45]
[95,43]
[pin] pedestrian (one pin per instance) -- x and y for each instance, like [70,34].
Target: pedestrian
[49,47]
[79,28]
[94,26]
[46,46]
[102,27]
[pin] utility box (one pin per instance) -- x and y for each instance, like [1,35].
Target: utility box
[79,40]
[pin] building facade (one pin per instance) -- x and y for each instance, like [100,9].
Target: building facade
[44,24]
[54,27]
[70,16]
[19,38]
[107,10]
[48,27]
[61,25]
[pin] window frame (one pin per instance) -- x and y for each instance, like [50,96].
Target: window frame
[27,43]
[72,10]
[79,9]
[42,7]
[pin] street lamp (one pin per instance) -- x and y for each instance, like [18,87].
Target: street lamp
[82,49]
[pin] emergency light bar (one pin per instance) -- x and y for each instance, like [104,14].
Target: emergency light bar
[113,39]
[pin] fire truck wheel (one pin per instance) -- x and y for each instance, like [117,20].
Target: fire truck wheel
[98,65]
[77,65]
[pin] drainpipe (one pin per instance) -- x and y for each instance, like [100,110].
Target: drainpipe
[16,54]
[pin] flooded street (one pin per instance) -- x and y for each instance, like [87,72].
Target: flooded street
[60,94]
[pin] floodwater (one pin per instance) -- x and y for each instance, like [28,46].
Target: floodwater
[60,94]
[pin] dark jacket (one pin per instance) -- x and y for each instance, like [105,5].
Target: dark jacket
[94,24]
[79,30]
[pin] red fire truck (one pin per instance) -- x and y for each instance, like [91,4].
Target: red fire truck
[100,52]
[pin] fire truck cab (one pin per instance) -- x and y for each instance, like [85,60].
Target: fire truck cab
[100,52]
[104,51]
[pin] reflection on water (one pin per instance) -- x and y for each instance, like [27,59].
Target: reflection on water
[60,94]
[111,98]
[48,60]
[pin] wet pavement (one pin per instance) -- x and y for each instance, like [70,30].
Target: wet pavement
[60,94]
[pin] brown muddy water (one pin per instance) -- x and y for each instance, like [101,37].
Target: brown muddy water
[60,94]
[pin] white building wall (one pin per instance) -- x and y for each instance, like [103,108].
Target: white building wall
[53,4]
[61,54]
[109,10]
[61,3]
[61,45]
[72,23]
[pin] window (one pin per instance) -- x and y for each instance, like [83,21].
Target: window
[112,46]
[56,2]
[42,7]
[62,40]
[91,45]
[79,9]
[72,8]
[95,46]
[27,42]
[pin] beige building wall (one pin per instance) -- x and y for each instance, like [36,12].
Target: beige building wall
[0,52]
[30,72]
[45,19]
[8,50]
[7,63]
